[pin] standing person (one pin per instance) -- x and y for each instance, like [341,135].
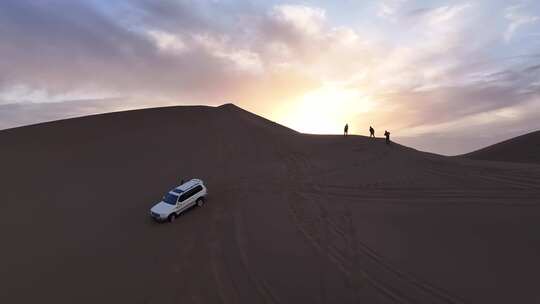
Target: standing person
[371,132]
[387,134]
[346,130]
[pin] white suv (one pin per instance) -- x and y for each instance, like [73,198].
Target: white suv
[179,199]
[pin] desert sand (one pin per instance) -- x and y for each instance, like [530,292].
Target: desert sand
[290,218]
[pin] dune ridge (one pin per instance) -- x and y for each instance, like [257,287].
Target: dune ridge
[523,149]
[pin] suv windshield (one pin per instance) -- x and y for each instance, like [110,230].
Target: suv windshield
[170,199]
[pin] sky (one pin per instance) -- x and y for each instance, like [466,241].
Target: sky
[442,76]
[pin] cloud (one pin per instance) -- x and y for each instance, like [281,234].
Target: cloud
[221,47]
[305,19]
[168,42]
[388,9]
[445,13]
[517,18]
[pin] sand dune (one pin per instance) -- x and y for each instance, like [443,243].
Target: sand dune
[291,218]
[523,149]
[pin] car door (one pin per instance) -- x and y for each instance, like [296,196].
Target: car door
[191,197]
[196,194]
[185,199]
[178,206]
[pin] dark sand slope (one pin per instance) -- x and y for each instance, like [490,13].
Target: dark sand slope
[291,218]
[523,149]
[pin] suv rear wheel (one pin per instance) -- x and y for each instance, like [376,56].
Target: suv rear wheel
[200,201]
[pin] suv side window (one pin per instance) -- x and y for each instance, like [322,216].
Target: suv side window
[197,189]
[185,196]
[190,193]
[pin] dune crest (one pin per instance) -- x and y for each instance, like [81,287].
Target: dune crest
[523,149]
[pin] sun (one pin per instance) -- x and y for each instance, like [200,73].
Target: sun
[326,109]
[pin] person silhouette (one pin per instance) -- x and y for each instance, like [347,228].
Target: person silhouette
[346,130]
[387,135]
[371,132]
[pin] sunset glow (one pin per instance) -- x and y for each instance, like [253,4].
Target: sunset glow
[325,110]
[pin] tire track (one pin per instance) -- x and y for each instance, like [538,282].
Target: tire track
[356,257]
[434,195]
[230,262]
